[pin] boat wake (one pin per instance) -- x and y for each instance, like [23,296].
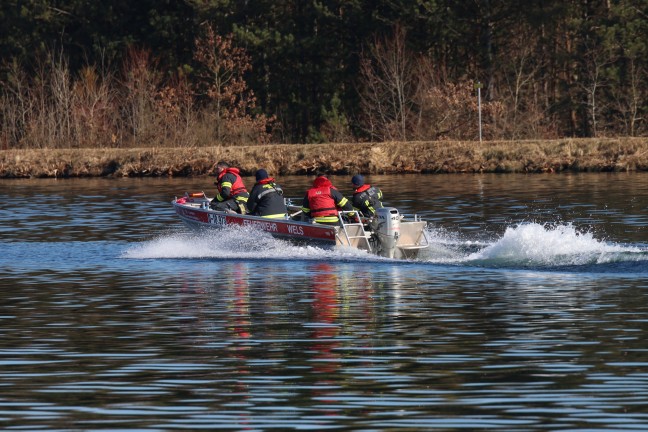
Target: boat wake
[236,242]
[528,245]
[534,245]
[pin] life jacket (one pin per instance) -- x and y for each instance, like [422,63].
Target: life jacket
[238,187]
[320,201]
[362,188]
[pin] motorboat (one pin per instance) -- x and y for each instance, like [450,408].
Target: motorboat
[387,234]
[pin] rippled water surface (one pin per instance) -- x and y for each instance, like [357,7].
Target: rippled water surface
[528,312]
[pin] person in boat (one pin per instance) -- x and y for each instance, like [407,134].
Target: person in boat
[266,197]
[232,194]
[366,198]
[322,202]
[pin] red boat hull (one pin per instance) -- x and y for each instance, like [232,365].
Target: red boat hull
[194,214]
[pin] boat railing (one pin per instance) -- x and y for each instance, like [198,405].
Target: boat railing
[292,209]
[353,229]
[411,217]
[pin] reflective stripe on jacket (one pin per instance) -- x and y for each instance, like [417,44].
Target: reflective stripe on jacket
[367,199]
[266,199]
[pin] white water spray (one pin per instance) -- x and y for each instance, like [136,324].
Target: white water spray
[531,245]
[544,245]
[524,245]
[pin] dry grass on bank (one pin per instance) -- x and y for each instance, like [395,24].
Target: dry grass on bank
[620,154]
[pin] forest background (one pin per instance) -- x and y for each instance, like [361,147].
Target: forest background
[194,73]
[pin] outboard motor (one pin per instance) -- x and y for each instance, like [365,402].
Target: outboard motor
[386,225]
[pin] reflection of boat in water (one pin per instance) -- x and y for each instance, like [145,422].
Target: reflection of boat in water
[387,234]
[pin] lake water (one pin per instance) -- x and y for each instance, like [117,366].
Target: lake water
[529,311]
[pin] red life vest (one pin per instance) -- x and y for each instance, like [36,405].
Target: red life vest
[266,180]
[362,188]
[320,201]
[238,186]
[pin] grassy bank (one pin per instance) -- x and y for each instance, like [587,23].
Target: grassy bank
[620,154]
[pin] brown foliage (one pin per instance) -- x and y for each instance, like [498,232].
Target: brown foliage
[137,107]
[450,111]
[175,106]
[94,111]
[231,105]
[140,84]
[404,97]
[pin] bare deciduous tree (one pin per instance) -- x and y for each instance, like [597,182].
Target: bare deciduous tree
[404,97]
[140,85]
[93,109]
[176,107]
[595,61]
[629,102]
[388,87]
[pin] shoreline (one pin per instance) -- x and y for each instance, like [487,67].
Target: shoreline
[434,157]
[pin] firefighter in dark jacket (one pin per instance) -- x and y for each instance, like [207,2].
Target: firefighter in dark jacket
[322,202]
[232,194]
[266,197]
[366,198]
